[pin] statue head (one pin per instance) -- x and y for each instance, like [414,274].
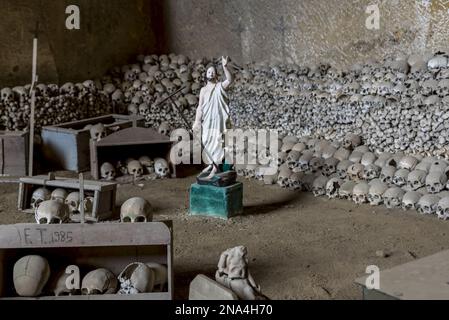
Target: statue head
[211,74]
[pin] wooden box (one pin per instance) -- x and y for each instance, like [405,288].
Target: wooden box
[129,143]
[218,202]
[66,146]
[14,149]
[104,193]
[89,246]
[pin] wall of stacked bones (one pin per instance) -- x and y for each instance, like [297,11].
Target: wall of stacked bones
[375,133]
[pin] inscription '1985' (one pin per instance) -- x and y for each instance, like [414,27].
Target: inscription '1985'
[43,236]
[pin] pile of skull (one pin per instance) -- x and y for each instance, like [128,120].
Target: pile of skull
[59,206]
[144,166]
[349,170]
[140,88]
[32,278]
[397,105]
[54,104]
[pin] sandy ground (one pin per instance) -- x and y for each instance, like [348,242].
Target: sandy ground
[299,247]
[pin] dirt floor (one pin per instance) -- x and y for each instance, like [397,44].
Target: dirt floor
[300,247]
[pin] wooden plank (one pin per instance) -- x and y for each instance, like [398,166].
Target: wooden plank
[89,185]
[84,235]
[423,279]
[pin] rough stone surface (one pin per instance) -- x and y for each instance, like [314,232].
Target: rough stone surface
[111,33]
[204,288]
[329,31]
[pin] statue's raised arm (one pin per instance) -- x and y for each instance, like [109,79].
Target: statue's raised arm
[228,74]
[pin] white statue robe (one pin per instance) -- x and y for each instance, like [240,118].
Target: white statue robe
[215,121]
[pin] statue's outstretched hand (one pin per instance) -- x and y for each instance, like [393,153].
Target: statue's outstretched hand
[225,61]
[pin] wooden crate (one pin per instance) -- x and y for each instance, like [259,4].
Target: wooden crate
[104,193]
[422,279]
[14,153]
[129,143]
[66,146]
[89,246]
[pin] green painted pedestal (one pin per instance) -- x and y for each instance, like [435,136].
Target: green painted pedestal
[222,203]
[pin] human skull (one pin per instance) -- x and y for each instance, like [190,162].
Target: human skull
[72,201]
[346,190]
[144,109]
[304,161]
[368,158]
[438,166]
[164,129]
[98,282]
[387,174]
[400,177]
[371,172]
[408,163]
[293,158]
[133,109]
[376,192]
[342,168]
[107,171]
[295,181]
[136,278]
[161,168]
[97,132]
[330,166]
[360,193]
[410,200]
[416,179]
[283,176]
[136,210]
[316,164]
[147,163]
[333,187]
[135,168]
[30,275]
[59,287]
[355,172]
[59,194]
[342,154]
[428,204]
[319,186]
[443,209]
[39,195]
[393,197]
[436,181]
[52,212]
[351,141]
[356,157]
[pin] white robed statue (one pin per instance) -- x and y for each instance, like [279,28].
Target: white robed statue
[212,116]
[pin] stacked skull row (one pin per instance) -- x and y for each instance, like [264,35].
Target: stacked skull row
[54,104]
[33,277]
[136,168]
[350,170]
[396,105]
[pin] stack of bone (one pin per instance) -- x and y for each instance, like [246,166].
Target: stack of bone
[54,104]
[349,170]
[397,105]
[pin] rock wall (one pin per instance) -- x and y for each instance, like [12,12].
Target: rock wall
[307,31]
[112,33]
